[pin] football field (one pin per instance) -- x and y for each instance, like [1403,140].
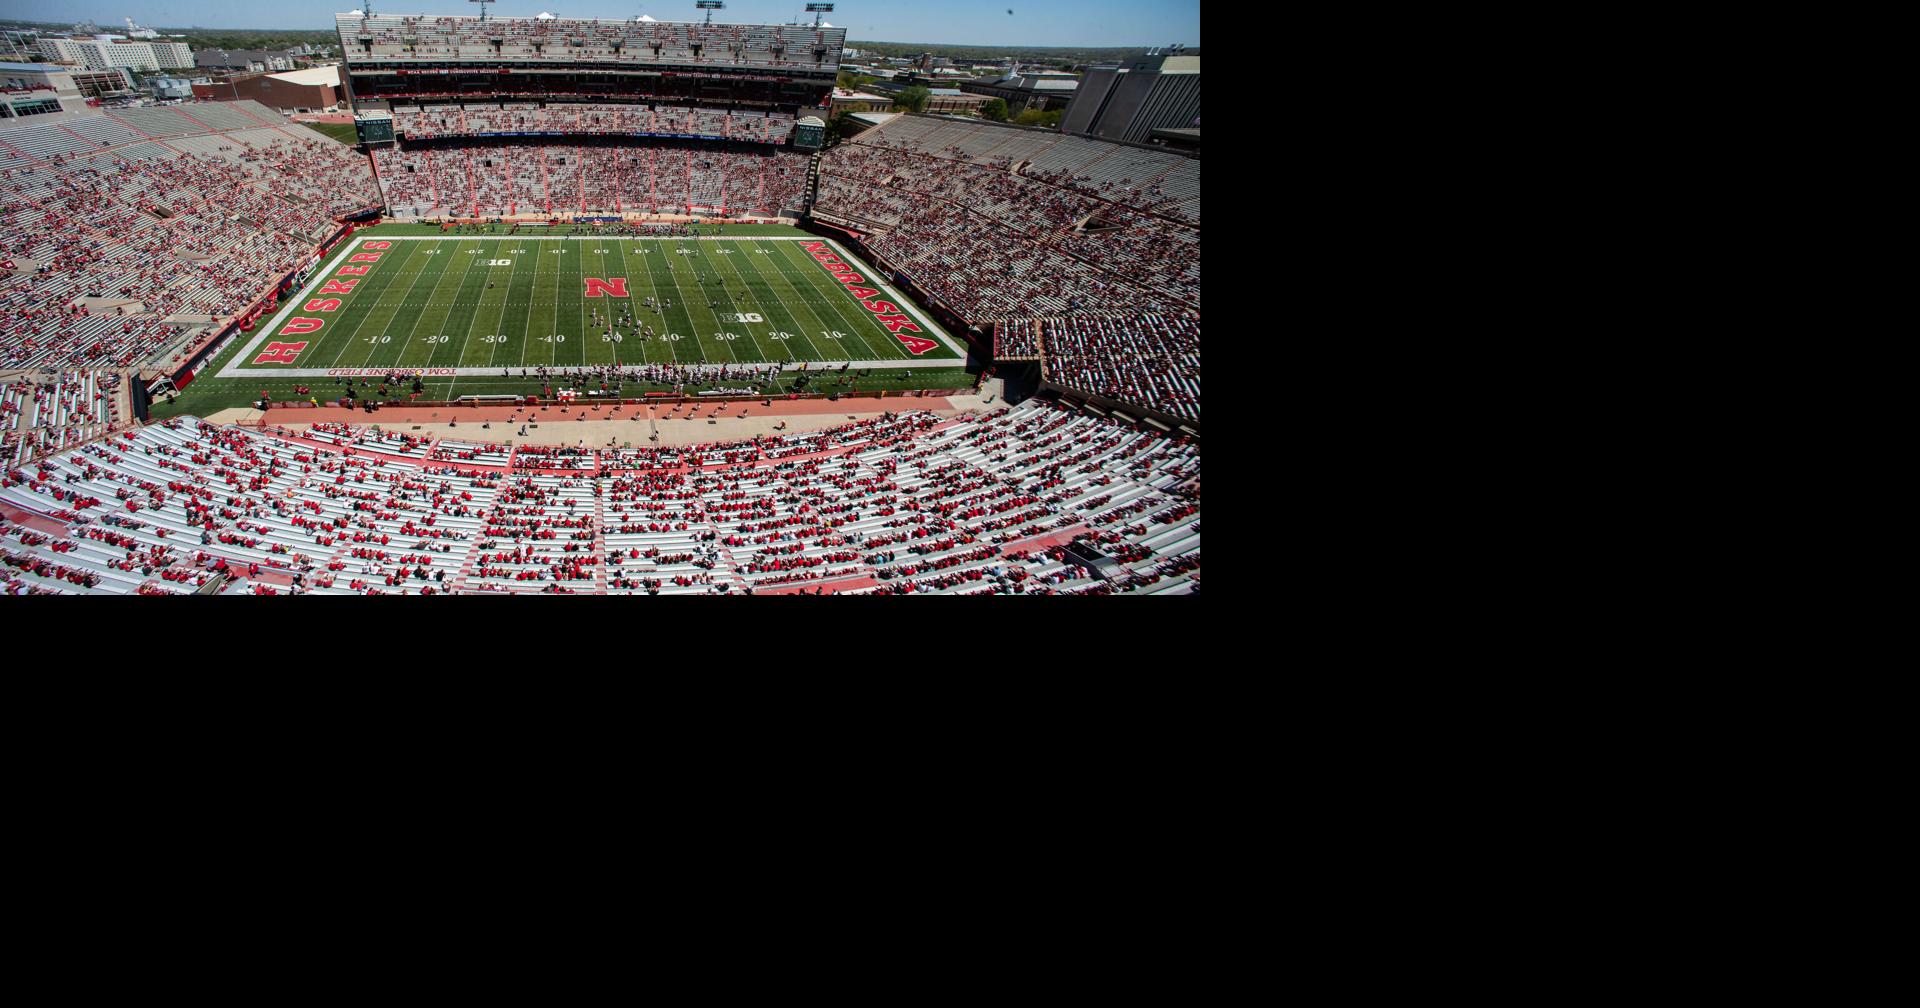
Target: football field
[480,306]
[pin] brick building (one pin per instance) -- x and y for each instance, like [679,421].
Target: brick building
[314,90]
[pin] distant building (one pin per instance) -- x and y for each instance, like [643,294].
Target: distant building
[314,90]
[860,122]
[1043,92]
[165,88]
[243,60]
[62,50]
[101,53]
[31,89]
[173,55]
[845,100]
[1128,103]
[954,100]
[103,83]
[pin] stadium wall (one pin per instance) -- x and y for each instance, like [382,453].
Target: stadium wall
[1119,409]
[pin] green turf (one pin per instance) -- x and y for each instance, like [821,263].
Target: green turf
[343,132]
[428,305]
[701,230]
[519,302]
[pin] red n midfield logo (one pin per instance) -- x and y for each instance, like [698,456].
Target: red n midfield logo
[616,287]
[280,353]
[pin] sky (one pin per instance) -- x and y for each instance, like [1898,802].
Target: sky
[955,22]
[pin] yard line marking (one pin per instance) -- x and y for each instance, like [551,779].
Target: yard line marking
[360,323]
[731,302]
[793,287]
[817,275]
[427,308]
[504,322]
[791,314]
[675,273]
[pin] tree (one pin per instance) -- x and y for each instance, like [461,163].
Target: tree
[913,99]
[995,110]
[840,126]
[1035,117]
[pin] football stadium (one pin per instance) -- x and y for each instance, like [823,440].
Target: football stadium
[598,307]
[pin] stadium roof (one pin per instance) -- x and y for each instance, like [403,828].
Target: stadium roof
[317,75]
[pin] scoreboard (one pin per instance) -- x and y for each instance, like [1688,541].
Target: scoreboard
[809,133]
[374,127]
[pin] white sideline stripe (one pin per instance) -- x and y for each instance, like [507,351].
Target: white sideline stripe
[234,368]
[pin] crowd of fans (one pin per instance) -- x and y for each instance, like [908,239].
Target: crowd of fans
[670,177]
[108,258]
[983,208]
[455,120]
[1100,240]
[905,503]
[1151,359]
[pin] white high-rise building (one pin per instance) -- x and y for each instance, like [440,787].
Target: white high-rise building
[173,55]
[98,54]
[132,55]
[62,50]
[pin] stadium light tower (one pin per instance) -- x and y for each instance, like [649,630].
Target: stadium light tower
[483,8]
[709,6]
[817,9]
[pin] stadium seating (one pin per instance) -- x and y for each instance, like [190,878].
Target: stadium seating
[123,230]
[899,504]
[399,39]
[671,177]
[1151,359]
[1016,339]
[479,119]
[1012,226]
[43,412]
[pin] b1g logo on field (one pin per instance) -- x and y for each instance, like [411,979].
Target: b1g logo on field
[744,317]
[280,353]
